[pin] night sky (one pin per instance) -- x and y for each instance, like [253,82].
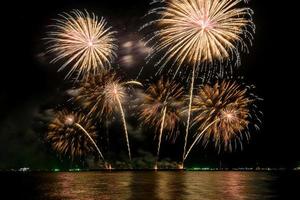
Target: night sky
[30,86]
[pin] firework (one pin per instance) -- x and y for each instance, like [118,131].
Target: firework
[200,33]
[91,96]
[104,95]
[223,113]
[159,107]
[72,134]
[83,41]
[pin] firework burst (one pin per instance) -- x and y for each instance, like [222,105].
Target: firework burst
[83,41]
[223,113]
[200,31]
[159,107]
[103,95]
[72,134]
[92,97]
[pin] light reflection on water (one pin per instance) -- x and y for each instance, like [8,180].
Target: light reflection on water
[151,185]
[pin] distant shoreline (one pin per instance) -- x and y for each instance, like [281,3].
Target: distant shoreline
[153,170]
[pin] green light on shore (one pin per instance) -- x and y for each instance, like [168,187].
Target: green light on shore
[196,168]
[200,169]
[56,170]
[75,170]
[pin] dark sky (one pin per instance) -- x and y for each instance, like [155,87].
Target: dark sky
[29,85]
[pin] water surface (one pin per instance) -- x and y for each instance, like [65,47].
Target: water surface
[151,185]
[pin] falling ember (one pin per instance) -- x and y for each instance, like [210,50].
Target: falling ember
[72,134]
[223,113]
[82,41]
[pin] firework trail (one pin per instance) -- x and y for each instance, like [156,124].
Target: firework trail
[199,33]
[91,139]
[115,92]
[189,115]
[160,135]
[164,97]
[105,94]
[223,113]
[83,41]
[197,139]
[66,139]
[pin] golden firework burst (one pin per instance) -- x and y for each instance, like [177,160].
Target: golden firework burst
[164,94]
[200,31]
[104,94]
[100,93]
[223,112]
[160,108]
[83,41]
[92,96]
[72,134]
